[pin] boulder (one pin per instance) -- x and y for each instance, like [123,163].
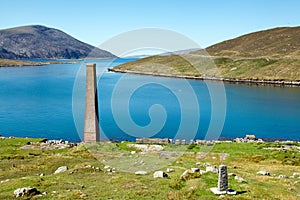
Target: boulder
[194,169]
[296,174]
[250,137]
[170,170]
[282,176]
[141,173]
[185,174]
[239,179]
[213,169]
[26,192]
[263,172]
[160,174]
[61,169]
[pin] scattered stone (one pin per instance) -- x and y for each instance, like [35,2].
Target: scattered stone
[263,172]
[42,174]
[282,176]
[239,179]
[61,169]
[296,174]
[194,169]
[141,173]
[169,154]
[106,167]
[160,174]
[232,174]
[213,169]
[185,174]
[133,152]
[26,192]
[170,170]
[147,147]
[44,193]
[5,180]
[250,137]
[153,140]
[198,163]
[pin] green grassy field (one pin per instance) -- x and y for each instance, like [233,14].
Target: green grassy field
[23,167]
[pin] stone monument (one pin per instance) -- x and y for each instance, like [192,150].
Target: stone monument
[222,182]
[91,123]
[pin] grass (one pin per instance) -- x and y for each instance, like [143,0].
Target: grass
[222,67]
[16,63]
[23,168]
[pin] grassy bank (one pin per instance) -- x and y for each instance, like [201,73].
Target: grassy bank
[19,63]
[218,67]
[22,168]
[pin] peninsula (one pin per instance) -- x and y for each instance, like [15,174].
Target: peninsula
[265,57]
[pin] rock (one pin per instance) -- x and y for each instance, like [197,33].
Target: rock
[282,176]
[239,179]
[133,152]
[141,172]
[170,170]
[26,192]
[185,174]
[160,174]
[250,137]
[42,174]
[5,180]
[263,172]
[194,169]
[296,174]
[61,169]
[212,169]
[106,167]
[232,174]
[198,163]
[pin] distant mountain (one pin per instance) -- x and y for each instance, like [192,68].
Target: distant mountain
[42,42]
[277,42]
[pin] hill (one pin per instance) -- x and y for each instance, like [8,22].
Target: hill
[279,43]
[270,55]
[37,41]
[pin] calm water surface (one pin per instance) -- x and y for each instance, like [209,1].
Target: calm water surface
[37,102]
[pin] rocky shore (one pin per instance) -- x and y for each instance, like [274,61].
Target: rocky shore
[228,80]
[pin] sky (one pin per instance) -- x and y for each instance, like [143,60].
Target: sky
[204,21]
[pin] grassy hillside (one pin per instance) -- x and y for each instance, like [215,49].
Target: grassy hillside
[265,55]
[279,43]
[83,180]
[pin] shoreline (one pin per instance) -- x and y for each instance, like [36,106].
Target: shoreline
[227,80]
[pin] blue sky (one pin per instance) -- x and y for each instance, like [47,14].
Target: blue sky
[204,21]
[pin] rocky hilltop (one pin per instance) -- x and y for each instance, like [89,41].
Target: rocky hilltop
[42,42]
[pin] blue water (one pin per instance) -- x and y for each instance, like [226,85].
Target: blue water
[40,102]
